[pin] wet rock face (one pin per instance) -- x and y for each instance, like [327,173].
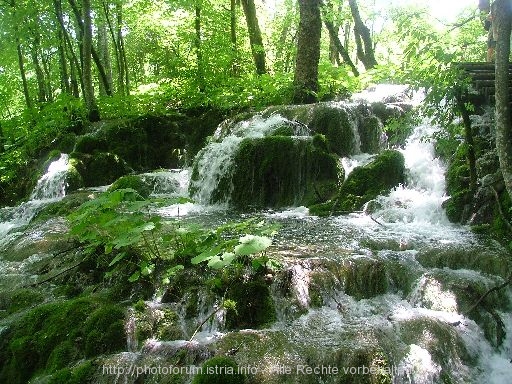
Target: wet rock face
[281,171]
[350,129]
[366,183]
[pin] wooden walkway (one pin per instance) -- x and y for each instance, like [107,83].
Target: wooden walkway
[482,79]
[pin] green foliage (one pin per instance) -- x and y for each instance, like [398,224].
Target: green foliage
[234,242]
[119,226]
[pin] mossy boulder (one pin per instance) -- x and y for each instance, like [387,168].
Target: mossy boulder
[278,171]
[52,336]
[365,183]
[457,182]
[338,122]
[219,370]
[254,305]
[100,168]
[371,134]
[12,301]
[63,207]
[134,182]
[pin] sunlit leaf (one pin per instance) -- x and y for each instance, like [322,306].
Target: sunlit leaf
[250,244]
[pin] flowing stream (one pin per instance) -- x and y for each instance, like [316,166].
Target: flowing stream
[389,281]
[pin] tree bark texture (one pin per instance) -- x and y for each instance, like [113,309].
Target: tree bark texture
[104,53]
[255,39]
[364,44]
[308,52]
[234,45]
[23,75]
[501,12]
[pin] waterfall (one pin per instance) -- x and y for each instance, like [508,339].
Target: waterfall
[53,183]
[49,188]
[216,159]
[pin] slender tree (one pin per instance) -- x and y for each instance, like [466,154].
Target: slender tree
[94,53]
[502,19]
[255,38]
[93,113]
[308,52]
[234,44]
[364,43]
[199,48]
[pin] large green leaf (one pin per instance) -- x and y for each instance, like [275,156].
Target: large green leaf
[218,262]
[250,244]
[207,255]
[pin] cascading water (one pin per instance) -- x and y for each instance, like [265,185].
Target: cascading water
[49,188]
[366,283]
[388,288]
[53,183]
[216,159]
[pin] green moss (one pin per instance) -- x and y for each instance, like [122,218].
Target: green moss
[134,182]
[279,171]
[219,370]
[54,335]
[365,278]
[63,207]
[80,374]
[254,305]
[366,183]
[455,205]
[283,130]
[370,132]
[12,301]
[100,168]
[90,144]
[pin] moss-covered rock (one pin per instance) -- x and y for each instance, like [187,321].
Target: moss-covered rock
[339,123]
[370,132]
[219,370]
[63,207]
[134,182]
[12,301]
[52,336]
[365,183]
[254,305]
[365,277]
[100,168]
[279,171]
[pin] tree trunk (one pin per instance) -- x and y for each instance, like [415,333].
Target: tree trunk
[308,52]
[339,47]
[198,46]
[95,56]
[124,74]
[364,44]
[64,75]
[501,12]
[257,49]
[23,74]
[104,54]
[41,87]
[120,79]
[234,45]
[90,102]
[74,63]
